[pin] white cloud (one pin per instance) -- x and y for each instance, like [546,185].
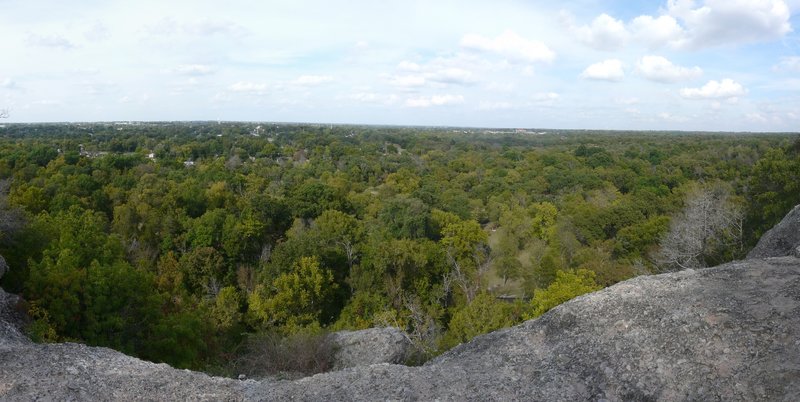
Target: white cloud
[407,81]
[684,24]
[756,117]
[210,27]
[201,27]
[671,117]
[193,69]
[605,32]
[312,80]
[720,22]
[435,100]
[607,70]
[657,68]
[657,32]
[727,88]
[495,86]
[627,101]
[545,97]
[248,87]
[98,32]
[511,46]
[408,66]
[791,64]
[437,73]
[374,98]
[485,105]
[452,75]
[8,83]
[51,41]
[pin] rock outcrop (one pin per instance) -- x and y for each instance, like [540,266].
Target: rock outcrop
[11,321]
[781,240]
[725,333]
[3,266]
[369,346]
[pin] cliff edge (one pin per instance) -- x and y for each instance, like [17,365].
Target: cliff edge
[724,333]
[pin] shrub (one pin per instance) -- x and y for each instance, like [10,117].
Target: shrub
[294,356]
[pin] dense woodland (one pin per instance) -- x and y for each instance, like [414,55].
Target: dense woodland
[179,242]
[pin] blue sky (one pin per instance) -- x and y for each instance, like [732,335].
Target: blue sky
[714,65]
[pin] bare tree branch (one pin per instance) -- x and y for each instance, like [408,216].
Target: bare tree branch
[709,222]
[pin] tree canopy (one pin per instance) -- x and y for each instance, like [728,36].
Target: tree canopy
[172,241]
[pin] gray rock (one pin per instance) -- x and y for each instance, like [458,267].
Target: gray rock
[781,240]
[69,371]
[724,333]
[11,320]
[369,346]
[3,266]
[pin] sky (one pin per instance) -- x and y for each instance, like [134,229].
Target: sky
[711,65]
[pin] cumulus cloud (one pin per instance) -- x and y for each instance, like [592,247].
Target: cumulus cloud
[607,70]
[657,32]
[685,24]
[716,22]
[727,88]
[720,22]
[435,100]
[511,46]
[657,68]
[604,33]
[312,80]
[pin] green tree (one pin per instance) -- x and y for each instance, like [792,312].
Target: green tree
[484,314]
[466,246]
[296,299]
[226,310]
[774,189]
[568,285]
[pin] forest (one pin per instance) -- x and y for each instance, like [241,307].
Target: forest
[186,242]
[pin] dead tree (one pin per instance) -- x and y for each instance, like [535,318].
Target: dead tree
[709,222]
